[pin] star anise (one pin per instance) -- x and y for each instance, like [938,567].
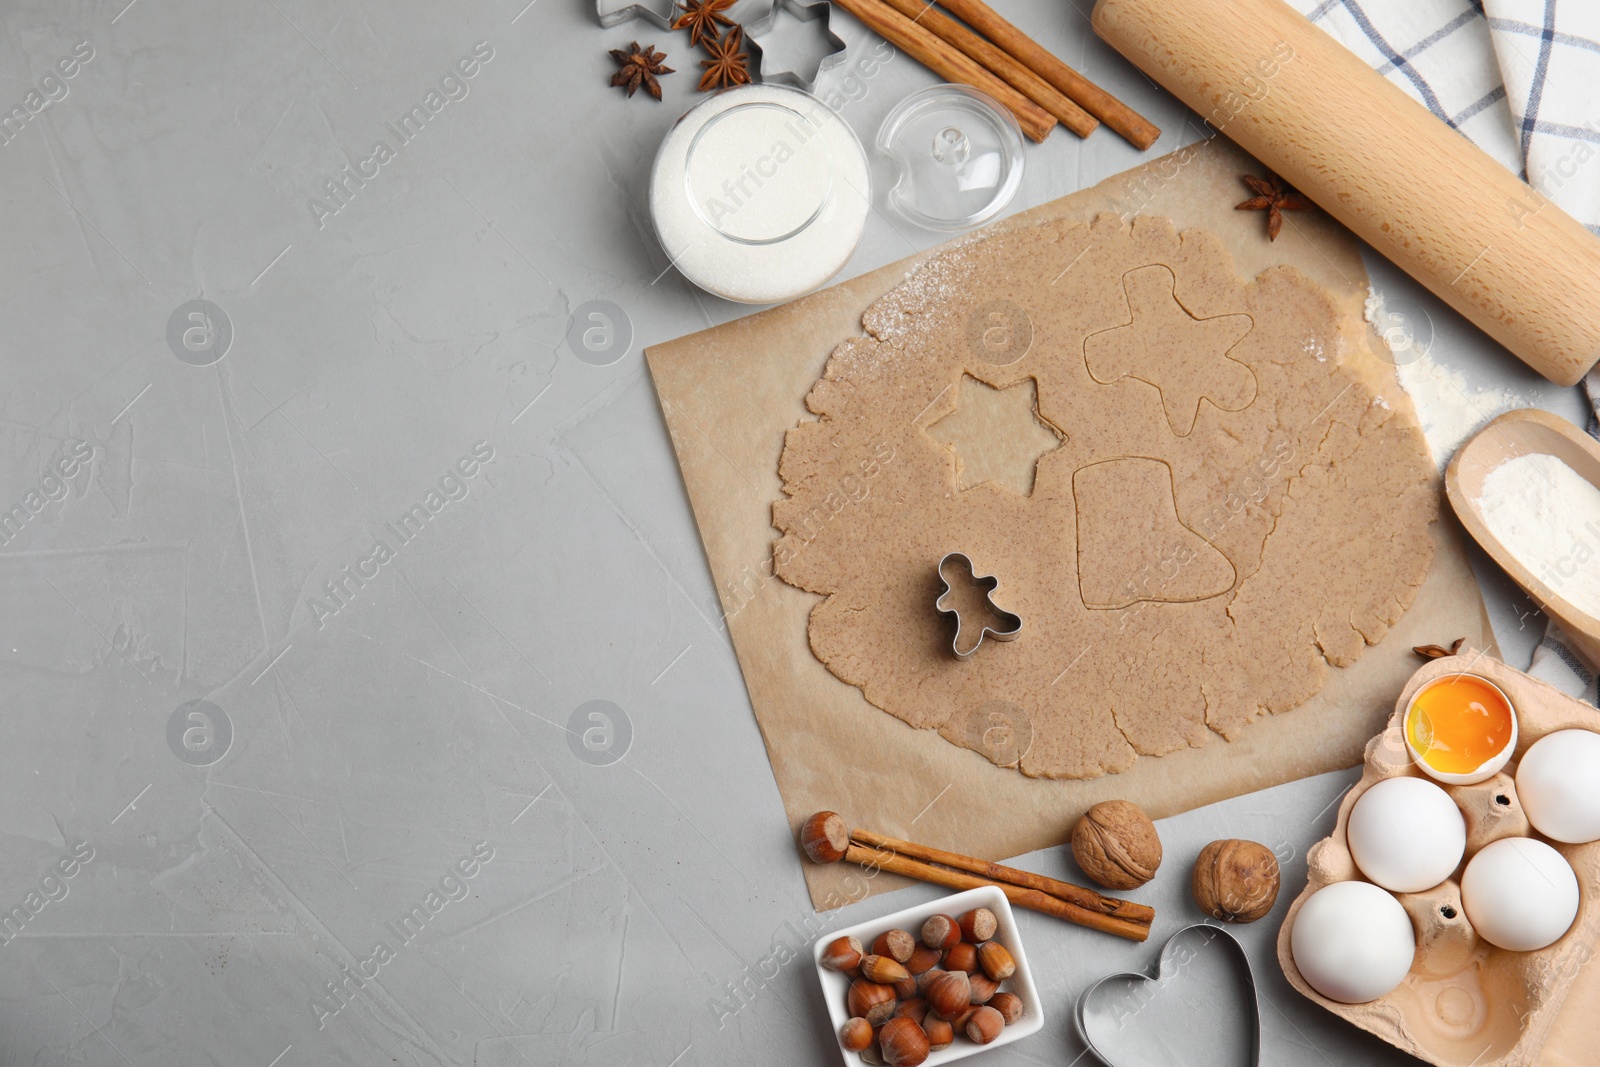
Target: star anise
[703,19]
[639,66]
[1273,197]
[727,65]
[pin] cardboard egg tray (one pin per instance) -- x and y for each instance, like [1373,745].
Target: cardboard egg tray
[1466,1003]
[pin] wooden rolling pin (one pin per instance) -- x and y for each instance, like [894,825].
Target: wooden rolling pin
[1446,213]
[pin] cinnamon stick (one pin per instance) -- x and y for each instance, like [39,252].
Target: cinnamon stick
[1025,81]
[1022,897]
[1073,894]
[1093,99]
[949,62]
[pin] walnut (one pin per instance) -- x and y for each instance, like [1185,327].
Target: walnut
[1116,845]
[1235,881]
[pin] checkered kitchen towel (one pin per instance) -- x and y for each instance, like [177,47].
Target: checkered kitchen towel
[1521,79]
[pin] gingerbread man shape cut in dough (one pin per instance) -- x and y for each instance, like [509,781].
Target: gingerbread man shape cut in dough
[1185,358]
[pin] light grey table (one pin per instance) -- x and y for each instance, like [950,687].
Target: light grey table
[391,763]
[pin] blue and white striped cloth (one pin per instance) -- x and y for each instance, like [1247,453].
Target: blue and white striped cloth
[1521,79]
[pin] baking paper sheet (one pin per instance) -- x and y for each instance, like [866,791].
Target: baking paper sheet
[730,393]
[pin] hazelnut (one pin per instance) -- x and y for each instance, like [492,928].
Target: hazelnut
[915,1009]
[1116,845]
[872,1053]
[903,1042]
[882,969]
[996,961]
[873,1002]
[855,1034]
[940,1033]
[896,944]
[962,957]
[926,978]
[1009,1005]
[940,932]
[959,1023]
[985,1025]
[906,988]
[1235,881]
[950,994]
[983,987]
[922,957]
[825,837]
[842,954]
[978,925]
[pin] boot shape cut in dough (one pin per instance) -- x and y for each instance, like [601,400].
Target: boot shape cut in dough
[1131,544]
[1186,359]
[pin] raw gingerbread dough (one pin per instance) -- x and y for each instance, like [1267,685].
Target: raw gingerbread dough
[1210,509]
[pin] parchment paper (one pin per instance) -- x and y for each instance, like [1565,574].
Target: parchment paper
[730,393]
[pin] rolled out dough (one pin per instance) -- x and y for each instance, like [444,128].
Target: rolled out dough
[1218,510]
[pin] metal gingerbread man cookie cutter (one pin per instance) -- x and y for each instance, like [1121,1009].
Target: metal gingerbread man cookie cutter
[1010,624]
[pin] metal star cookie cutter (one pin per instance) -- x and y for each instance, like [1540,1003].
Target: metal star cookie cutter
[805,11]
[1166,969]
[659,12]
[1012,623]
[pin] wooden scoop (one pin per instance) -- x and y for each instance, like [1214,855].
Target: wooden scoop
[1518,433]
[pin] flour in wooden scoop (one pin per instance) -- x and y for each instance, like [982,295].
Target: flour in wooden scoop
[1548,517]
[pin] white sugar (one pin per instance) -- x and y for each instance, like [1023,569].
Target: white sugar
[760,194]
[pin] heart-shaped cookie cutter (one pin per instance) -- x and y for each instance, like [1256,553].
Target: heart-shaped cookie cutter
[1164,970]
[1012,623]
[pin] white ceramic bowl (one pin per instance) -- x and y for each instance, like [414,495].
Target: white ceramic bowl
[835,985]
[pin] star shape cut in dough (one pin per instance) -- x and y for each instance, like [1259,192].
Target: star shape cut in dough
[996,435]
[1185,358]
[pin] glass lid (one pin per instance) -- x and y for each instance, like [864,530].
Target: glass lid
[958,155]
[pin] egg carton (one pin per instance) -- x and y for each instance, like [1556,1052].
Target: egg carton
[1466,1003]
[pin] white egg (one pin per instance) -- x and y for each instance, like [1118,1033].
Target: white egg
[1352,942]
[1406,834]
[1520,894]
[1557,784]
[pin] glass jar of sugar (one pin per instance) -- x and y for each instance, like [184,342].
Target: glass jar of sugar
[759,194]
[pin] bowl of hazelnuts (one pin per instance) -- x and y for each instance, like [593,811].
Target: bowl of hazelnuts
[931,984]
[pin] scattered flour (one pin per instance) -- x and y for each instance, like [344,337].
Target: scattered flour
[1449,409]
[1548,516]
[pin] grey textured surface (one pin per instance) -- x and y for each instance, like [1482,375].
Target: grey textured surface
[434,717]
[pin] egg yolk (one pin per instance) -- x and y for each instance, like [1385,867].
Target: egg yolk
[1459,723]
